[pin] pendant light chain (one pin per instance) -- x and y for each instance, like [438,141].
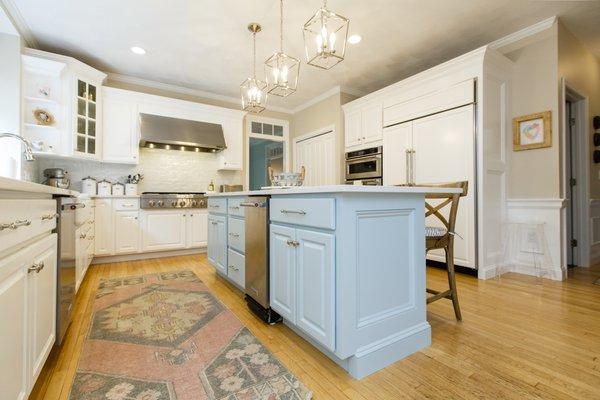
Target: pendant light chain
[281,26]
[254,55]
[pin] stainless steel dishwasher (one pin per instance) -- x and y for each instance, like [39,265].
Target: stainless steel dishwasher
[257,258]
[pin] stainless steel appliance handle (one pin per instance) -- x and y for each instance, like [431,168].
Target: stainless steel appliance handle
[300,212]
[407,166]
[412,167]
[16,224]
[74,206]
[357,160]
[249,204]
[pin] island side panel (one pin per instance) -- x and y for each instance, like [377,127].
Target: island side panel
[380,276]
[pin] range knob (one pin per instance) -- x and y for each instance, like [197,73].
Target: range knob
[151,203]
[202,202]
[161,203]
[174,203]
[194,203]
[181,203]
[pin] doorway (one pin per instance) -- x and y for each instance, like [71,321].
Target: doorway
[264,154]
[576,182]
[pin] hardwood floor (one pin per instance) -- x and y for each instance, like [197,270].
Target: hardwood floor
[521,338]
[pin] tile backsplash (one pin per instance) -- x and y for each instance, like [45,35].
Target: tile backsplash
[163,170]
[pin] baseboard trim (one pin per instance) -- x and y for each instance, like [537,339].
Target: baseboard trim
[458,268]
[146,256]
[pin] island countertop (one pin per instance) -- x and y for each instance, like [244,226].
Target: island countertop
[18,185]
[338,189]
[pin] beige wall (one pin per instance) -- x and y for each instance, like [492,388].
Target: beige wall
[535,173]
[582,70]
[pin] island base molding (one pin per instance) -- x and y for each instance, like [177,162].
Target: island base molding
[378,355]
[146,256]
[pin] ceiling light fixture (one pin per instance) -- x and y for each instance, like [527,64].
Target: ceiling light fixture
[322,32]
[281,69]
[254,96]
[354,39]
[138,50]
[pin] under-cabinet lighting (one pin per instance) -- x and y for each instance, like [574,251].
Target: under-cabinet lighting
[138,50]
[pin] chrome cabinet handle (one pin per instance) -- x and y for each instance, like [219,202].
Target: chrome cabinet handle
[49,216]
[214,206]
[14,225]
[82,236]
[36,267]
[300,212]
[234,268]
[213,222]
[412,166]
[234,234]
[293,243]
[234,207]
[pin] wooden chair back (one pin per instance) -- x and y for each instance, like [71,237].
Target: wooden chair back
[447,200]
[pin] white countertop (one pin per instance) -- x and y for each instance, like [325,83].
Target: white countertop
[17,185]
[338,189]
[123,196]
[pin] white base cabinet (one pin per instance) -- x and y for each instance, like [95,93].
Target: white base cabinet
[127,232]
[28,301]
[196,228]
[303,280]
[163,230]
[217,242]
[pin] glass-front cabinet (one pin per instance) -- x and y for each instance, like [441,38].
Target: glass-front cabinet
[87,116]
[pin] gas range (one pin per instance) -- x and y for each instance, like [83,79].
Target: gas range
[165,200]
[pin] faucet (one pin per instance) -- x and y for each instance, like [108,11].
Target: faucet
[28,150]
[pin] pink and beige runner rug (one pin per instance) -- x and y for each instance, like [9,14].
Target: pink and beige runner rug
[164,337]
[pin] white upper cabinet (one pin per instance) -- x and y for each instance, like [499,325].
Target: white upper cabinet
[121,128]
[232,157]
[363,125]
[86,125]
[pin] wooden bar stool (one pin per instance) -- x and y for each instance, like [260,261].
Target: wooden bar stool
[443,238]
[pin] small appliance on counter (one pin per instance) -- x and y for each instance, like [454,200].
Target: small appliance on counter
[231,188]
[89,186]
[104,188]
[56,177]
[118,189]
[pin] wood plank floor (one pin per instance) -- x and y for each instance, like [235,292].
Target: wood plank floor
[521,338]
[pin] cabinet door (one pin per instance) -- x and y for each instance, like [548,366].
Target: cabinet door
[217,242]
[120,131]
[231,158]
[163,230]
[197,228]
[316,286]
[13,283]
[87,119]
[104,238]
[283,271]
[353,127]
[41,293]
[397,140]
[127,232]
[372,123]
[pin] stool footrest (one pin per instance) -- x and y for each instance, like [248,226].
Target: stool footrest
[438,295]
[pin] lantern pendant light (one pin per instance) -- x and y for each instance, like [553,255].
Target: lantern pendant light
[325,36]
[254,91]
[281,69]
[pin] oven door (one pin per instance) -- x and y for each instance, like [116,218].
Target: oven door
[364,167]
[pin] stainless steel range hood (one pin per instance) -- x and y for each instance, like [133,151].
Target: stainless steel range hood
[180,134]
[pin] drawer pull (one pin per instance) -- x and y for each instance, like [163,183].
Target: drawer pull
[234,207]
[215,206]
[49,216]
[234,268]
[300,212]
[293,243]
[234,234]
[213,222]
[36,267]
[82,236]
[14,225]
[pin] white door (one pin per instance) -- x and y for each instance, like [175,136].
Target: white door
[197,228]
[283,271]
[372,123]
[163,230]
[127,232]
[316,286]
[317,155]
[120,140]
[13,284]
[104,240]
[397,140]
[353,128]
[41,293]
[444,152]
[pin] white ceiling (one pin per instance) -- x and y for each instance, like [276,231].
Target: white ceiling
[204,44]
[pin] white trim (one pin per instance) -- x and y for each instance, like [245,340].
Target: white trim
[536,203]
[321,131]
[74,63]
[327,94]
[146,255]
[285,139]
[523,33]
[19,23]
[183,90]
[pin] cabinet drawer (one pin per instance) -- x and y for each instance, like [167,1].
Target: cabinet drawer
[234,208]
[318,213]
[236,236]
[126,204]
[21,220]
[217,205]
[236,268]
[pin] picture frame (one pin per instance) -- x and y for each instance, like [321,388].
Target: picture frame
[533,131]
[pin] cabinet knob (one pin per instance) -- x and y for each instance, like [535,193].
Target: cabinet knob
[36,267]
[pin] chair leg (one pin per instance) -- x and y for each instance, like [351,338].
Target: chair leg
[452,280]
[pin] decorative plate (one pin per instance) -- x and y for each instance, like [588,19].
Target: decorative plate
[43,117]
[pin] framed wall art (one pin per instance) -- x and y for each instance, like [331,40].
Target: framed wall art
[532,131]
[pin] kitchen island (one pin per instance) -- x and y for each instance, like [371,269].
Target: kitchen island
[347,266]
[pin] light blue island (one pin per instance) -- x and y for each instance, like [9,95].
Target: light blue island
[347,266]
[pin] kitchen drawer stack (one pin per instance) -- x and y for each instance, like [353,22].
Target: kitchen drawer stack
[84,239]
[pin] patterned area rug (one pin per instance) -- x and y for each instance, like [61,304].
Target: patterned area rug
[165,337]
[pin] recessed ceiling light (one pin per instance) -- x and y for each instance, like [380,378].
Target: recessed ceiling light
[354,39]
[138,50]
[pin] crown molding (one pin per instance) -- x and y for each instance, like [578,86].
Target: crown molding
[325,95]
[183,90]
[523,33]
[19,23]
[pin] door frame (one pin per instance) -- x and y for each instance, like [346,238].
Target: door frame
[580,104]
[318,132]
[285,139]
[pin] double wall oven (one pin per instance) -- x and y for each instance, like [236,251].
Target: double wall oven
[365,165]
